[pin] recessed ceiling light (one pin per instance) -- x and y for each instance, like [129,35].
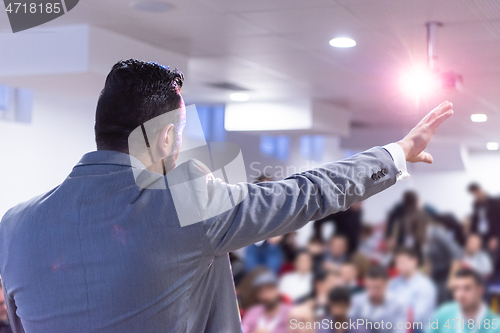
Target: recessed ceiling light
[478,118]
[152,6]
[239,97]
[492,146]
[342,42]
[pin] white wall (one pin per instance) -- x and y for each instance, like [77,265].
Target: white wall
[38,156]
[446,191]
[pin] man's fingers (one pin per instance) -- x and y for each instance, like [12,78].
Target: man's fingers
[440,110]
[425,157]
[422,157]
[439,120]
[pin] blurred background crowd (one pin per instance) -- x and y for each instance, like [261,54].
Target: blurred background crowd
[418,266]
[272,78]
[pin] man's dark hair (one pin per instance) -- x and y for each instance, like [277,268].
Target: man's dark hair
[263,179]
[409,251]
[300,252]
[339,236]
[135,92]
[473,187]
[317,240]
[321,276]
[470,273]
[410,200]
[377,272]
[339,295]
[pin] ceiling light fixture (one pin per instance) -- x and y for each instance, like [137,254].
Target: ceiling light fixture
[492,146]
[152,6]
[239,97]
[342,42]
[478,118]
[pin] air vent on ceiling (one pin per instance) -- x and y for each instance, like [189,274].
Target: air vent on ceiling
[359,124]
[227,86]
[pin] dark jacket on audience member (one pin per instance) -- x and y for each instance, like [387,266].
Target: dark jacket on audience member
[492,207]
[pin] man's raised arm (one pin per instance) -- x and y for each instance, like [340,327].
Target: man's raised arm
[275,208]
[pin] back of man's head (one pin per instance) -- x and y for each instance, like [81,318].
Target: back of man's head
[473,187]
[135,92]
[410,200]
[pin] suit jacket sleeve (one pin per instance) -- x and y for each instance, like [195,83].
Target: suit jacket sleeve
[274,208]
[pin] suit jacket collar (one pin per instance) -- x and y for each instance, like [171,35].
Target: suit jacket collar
[109,157]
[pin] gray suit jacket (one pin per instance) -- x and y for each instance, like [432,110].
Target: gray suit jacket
[100,254]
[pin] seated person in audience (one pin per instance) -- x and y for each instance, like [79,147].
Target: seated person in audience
[302,319]
[475,257]
[271,315]
[467,313]
[375,304]
[339,302]
[298,284]
[441,252]
[485,216]
[350,277]
[289,246]
[337,252]
[324,281]
[316,248]
[412,288]
[347,223]
[373,245]
[267,253]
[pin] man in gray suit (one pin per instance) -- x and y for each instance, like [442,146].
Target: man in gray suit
[105,252]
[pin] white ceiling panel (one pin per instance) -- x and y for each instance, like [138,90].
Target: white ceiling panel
[308,19]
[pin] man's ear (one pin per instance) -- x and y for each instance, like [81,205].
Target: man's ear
[166,140]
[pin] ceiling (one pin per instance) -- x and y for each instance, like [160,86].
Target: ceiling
[278,49]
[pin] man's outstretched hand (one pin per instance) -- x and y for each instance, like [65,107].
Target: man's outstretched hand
[417,140]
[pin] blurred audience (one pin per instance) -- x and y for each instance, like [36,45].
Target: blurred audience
[339,302]
[324,281]
[289,246]
[338,251]
[440,253]
[376,304]
[397,272]
[316,248]
[271,314]
[475,257]
[350,277]
[298,284]
[347,223]
[486,216]
[4,320]
[267,253]
[412,288]
[302,320]
[468,312]
[408,223]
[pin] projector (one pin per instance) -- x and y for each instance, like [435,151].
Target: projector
[451,80]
